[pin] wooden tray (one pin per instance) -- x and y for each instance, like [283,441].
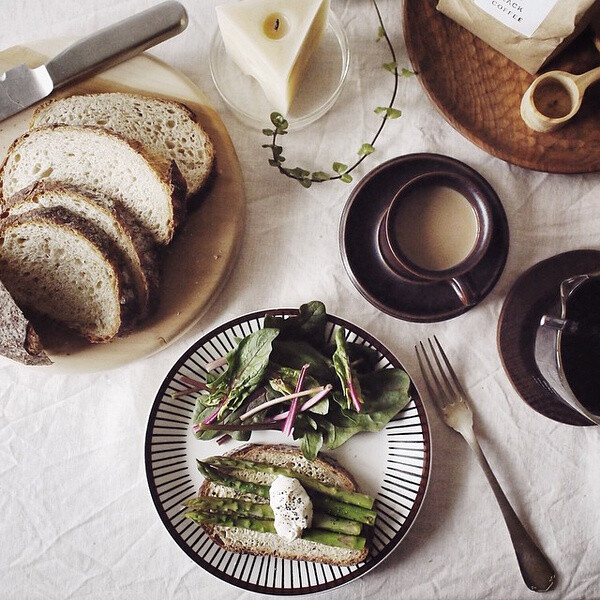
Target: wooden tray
[199,260]
[479,91]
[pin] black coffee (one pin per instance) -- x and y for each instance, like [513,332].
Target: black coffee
[580,351]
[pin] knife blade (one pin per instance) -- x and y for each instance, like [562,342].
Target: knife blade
[21,86]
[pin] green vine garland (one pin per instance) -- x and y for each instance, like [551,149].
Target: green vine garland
[341,171]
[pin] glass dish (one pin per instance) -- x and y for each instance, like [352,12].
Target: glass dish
[319,90]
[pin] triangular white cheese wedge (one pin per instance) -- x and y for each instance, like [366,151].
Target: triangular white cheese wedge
[272,41]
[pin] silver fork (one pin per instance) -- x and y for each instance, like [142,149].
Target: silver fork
[449,395]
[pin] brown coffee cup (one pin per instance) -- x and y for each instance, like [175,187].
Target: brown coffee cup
[437,227]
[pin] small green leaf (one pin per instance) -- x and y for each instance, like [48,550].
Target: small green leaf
[298,173]
[380,33]
[366,149]
[268,132]
[320,176]
[391,66]
[406,73]
[305,182]
[339,167]
[277,150]
[277,119]
[346,178]
[388,112]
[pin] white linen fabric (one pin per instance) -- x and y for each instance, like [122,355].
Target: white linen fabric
[77,518]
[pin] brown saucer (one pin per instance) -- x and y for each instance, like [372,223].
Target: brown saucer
[534,294]
[382,287]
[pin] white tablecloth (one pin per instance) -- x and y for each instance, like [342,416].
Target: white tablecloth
[77,520]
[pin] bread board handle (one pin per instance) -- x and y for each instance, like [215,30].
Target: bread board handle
[116,43]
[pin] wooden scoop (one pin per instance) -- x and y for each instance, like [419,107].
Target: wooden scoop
[554,98]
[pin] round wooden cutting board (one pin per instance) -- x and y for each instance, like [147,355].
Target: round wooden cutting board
[478,91]
[199,260]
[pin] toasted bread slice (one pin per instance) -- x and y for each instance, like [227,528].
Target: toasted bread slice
[18,339]
[137,250]
[164,127]
[251,542]
[103,163]
[59,265]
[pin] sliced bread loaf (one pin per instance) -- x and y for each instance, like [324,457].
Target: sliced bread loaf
[60,265]
[103,163]
[164,127]
[137,250]
[18,339]
[246,541]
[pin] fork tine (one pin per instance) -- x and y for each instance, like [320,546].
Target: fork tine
[423,371]
[450,391]
[441,397]
[457,384]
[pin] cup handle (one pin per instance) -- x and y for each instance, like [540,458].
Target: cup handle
[463,286]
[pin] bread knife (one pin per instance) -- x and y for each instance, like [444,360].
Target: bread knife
[21,86]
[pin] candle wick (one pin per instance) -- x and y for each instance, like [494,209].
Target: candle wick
[276,24]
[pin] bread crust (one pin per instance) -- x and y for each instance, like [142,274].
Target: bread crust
[269,544]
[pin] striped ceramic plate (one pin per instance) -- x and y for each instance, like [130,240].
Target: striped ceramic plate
[392,466]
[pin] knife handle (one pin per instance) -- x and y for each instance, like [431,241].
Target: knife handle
[118,42]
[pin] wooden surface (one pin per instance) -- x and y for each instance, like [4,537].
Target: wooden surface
[199,260]
[479,92]
[534,294]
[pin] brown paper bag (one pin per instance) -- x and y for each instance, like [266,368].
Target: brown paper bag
[528,32]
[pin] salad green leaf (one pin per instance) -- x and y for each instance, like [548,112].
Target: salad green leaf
[246,366]
[385,392]
[309,324]
[310,444]
[296,353]
[348,379]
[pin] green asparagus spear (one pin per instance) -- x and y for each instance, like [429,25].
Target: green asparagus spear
[246,487]
[242,508]
[261,525]
[329,538]
[330,523]
[356,498]
[325,503]
[230,506]
[341,509]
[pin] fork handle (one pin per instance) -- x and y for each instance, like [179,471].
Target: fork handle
[535,568]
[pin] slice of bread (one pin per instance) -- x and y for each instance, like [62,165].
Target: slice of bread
[103,163]
[245,541]
[18,339]
[137,250]
[164,127]
[59,265]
